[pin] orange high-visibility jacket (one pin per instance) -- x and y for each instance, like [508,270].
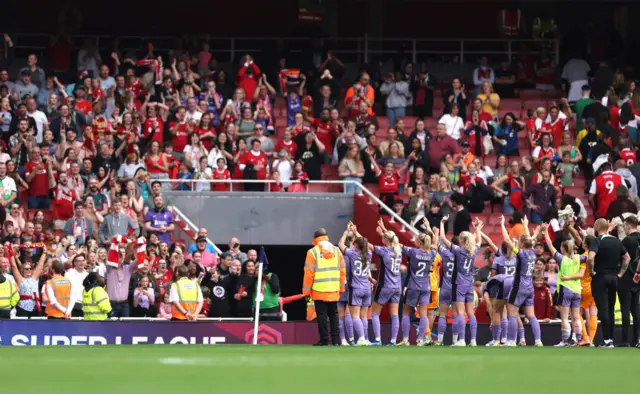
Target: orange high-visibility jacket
[326,250]
[61,287]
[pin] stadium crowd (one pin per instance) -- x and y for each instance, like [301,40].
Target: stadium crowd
[86,159]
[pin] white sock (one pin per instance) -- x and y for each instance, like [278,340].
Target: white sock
[440,337]
[455,338]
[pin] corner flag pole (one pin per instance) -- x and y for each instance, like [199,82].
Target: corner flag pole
[259,296]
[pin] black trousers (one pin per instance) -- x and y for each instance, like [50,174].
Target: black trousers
[5,314]
[324,310]
[604,288]
[77,310]
[629,295]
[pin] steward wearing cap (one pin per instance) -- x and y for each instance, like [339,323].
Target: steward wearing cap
[325,277]
[185,297]
[465,155]
[9,297]
[95,300]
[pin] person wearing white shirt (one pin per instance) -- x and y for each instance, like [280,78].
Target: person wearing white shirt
[576,73]
[8,189]
[453,123]
[38,116]
[76,276]
[89,58]
[193,112]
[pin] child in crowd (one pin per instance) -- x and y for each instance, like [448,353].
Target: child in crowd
[565,171]
[276,187]
[206,305]
[542,301]
[164,311]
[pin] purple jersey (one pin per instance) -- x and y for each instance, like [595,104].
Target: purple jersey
[526,261]
[389,276]
[357,272]
[447,267]
[463,269]
[420,262]
[505,266]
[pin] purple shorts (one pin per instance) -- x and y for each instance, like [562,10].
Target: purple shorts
[505,289]
[463,294]
[521,297]
[414,298]
[445,296]
[360,297]
[492,288]
[344,297]
[567,298]
[387,296]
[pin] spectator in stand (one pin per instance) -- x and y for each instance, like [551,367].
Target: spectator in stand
[621,169]
[207,259]
[388,182]
[116,223]
[506,135]
[327,92]
[539,198]
[474,189]
[490,100]
[254,165]
[456,95]
[24,87]
[78,226]
[248,76]
[542,299]
[440,145]
[475,130]
[423,91]
[584,100]
[462,219]
[505,80]
[392,137]
[179,131]
[63,199]
[234,250]
[544,150]
[621,205]
[576,73]
[453,123]
[246,124]
[309,153]
[417,158]
[482,74]
[484,116]
[351,169]
[159,220]
[360,92]
[601,190]
[397,92]
[143,299]
[364,121]
[39,117]
[422,134]
[202,233]
[36,173]
[76,275]
[8,189]
[118,280]
[26,277]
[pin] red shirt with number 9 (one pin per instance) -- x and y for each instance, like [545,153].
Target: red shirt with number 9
[604,188]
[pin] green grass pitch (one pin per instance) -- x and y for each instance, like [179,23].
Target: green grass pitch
[309,370]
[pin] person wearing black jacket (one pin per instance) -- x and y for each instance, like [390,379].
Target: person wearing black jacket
[222,291]
[21,113]
[456,95]
[325,93]
[245,290]
[586,145]
[416,156]
[629,284]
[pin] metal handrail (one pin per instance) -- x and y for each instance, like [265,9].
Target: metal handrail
[362,45]
[189,223]
[362,190]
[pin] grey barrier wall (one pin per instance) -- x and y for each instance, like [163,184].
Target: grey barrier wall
[266,218]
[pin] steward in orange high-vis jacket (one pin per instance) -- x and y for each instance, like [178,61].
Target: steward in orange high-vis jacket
[325,278]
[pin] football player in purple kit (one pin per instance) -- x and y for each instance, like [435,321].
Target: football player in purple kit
[462,280]
[503,264]
[497,288]
[521,293]
[445,296]
[344,317]
[357,259]
[417,289]
[389,287]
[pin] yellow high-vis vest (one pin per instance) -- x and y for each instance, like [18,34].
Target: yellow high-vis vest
[95,304]
[327,276]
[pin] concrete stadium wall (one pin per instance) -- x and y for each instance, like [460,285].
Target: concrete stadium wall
[266,218]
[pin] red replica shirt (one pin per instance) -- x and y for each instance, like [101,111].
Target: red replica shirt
[181,138]
[149,125]
[465,182]
[290,146]
[628,156]
[39,185]
[251,158]
[63,199]
[557,129]
[222,175]
[83,106]
[207,142]
[388,183]
[604,188]
[325,133]
[165,279]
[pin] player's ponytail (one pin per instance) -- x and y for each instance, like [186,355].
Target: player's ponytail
[349,240]
[568,247]
[425,241]
[467,241]
[363,246]
[392,238]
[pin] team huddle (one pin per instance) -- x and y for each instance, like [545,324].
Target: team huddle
[440,276]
